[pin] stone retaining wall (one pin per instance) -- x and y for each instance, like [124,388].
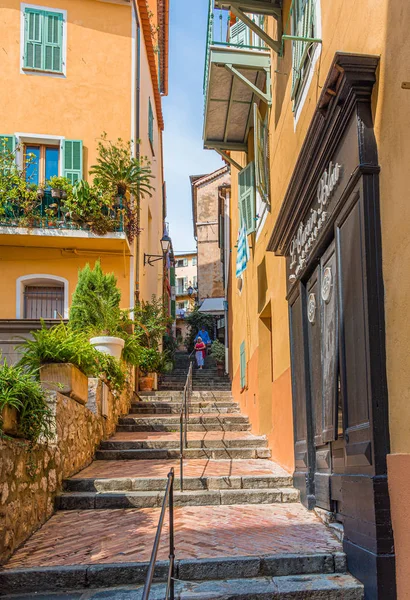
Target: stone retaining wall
[30,480]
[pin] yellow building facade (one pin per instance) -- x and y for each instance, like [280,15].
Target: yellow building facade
[74,71]
[292,55]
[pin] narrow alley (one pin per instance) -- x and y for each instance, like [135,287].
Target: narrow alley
[240,529]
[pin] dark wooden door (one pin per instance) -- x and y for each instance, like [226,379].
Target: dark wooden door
[323,357]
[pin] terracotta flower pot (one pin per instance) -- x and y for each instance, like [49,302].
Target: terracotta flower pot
[220,368]
[146,384]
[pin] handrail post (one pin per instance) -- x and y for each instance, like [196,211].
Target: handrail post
[181,452]
[171,574]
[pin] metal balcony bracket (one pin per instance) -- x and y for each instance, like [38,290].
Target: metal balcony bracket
[237,9]
[264,96]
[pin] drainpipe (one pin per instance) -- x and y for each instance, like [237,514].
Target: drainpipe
[137,136]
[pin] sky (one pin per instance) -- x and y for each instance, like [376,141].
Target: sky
[183,115]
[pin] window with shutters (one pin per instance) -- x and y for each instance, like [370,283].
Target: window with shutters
[246,193]
[261,151]
[306,25]
[242,359]
[44,39]
[150,125]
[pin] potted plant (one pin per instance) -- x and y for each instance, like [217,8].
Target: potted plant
[218,354]
[40,191]
[64,359]
[23,408]
[96,309]
[59,186]
[149,361]
[118,171]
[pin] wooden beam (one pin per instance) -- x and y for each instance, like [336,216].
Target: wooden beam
[265,97]
[274,44]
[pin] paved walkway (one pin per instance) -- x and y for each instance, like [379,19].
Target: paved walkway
[127,535]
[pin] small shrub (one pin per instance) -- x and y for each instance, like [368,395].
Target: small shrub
[218,351]
[111,371]
[20,390]
[150,361]
[96,302]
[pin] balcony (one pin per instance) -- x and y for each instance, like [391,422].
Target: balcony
[50,220]
[237,74]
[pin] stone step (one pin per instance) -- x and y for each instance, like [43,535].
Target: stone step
[298,587]
[147,499]
[175,407]
[158,484]
[196,427]
[175,397]
[193,419]
[310,576]
[254,441]
[178,393]
[189,453]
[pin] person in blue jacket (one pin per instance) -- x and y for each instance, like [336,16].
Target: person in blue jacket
[204,335]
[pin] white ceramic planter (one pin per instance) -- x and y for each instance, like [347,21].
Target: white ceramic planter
[109,345]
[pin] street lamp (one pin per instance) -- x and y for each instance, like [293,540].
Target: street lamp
[165,245]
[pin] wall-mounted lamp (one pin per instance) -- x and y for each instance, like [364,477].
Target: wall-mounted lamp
[165,245]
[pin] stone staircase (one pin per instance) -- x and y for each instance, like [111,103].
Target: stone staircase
[240,530]
[203,379]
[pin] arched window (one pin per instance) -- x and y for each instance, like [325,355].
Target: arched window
[41,296]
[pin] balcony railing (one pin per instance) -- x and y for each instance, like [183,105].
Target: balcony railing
[225,31]
[50,213]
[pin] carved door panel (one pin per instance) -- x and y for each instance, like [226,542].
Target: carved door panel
[304,453]
[323,370]
[353,341]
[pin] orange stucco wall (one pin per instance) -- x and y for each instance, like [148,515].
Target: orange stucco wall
[98,94]
[270,416]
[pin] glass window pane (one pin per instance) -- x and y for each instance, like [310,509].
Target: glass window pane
[33,164]
[52,155]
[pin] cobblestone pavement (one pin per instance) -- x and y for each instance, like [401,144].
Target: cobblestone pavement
[127,535]
[192,468]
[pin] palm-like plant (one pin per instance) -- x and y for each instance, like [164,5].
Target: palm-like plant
[118,171]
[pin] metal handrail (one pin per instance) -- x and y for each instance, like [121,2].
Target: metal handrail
[169,495]
[183,423]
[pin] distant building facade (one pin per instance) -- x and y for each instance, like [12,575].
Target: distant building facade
[186,286]
[206,202]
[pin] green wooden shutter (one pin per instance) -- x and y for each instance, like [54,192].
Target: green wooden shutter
[7,144]
[150,122]
[242,359]
[73,160]
[239,34]
[53,42]
[33,39]
[261,146]
[303,26]
[246,181]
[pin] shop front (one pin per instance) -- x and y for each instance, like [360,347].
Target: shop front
[329,231]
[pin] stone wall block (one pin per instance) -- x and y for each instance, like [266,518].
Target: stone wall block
[31,478]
